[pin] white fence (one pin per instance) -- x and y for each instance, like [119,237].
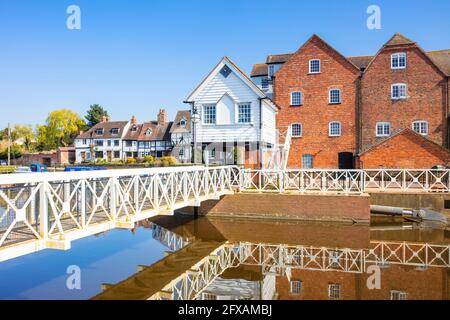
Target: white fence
[346,181]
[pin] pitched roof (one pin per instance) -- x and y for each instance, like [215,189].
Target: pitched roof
[259,69]
[402,132]
[361,61]
[398,40]
[279,58]
[442,59]
[158,132]
[133,134]
[107,128]
[177,127]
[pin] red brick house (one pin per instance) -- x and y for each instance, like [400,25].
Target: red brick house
[341,107]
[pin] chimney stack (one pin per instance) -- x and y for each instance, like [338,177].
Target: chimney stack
[133,120]
[105,119]
[163,118]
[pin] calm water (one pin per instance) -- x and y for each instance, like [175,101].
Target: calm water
[112,257]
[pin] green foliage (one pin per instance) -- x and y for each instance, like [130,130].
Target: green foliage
[16,152]
[131,161]
[7,169]
[149,159]
[95,114]
[61,128]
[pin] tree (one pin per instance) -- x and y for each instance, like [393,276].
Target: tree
[24,135]
[95,114]
[61,128]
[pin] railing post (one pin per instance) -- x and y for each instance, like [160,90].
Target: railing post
[156,192]
[281,180]
[83,203]
[43,211]
[136,194]
[113,197]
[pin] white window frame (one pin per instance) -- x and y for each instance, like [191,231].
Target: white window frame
[420,123]
[264,83]
[292,99]
[330,95]
[383,134]
[400,97]
[334,288]
[296,287]
[244,104]
[310,157]
[204,107]
[310,66]
[301,130]
[396,57]
[330,131]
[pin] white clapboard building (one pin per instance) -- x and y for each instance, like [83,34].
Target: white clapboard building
[236,119]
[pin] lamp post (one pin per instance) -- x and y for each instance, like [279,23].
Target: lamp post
[195,118]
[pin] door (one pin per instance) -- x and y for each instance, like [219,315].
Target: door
[346,161]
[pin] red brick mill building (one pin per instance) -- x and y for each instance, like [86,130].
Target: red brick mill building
[390,110]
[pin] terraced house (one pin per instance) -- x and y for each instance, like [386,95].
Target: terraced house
[389,110]
[120,140]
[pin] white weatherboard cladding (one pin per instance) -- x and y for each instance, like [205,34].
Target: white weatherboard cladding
[227,93]
[268,124]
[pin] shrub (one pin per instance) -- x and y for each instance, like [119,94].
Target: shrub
[170,160]
[149,159]
[140,160]
[157,163]
[131,161]
[165,163]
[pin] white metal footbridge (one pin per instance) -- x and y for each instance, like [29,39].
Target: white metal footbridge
[49,210]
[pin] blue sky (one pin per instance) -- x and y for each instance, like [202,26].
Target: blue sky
[134,57]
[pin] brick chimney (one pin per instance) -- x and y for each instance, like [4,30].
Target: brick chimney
[133,120]
[163,118]
[105,119]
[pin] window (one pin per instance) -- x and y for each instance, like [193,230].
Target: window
[99,154]
[128,143]
[398,91]
[335,129]
[225,71]
[398,61]
[116,154]
[134,128]
[271,70]
[245,113]
[114,131]
[334,291]
[383,129]
[148,132]
[296,98]
[183,122]
[109,143]
[297,130]
[181,153]
[334,96]
[84,141]
[116,143]
[264,83]
[99,143]
[307,161]
[398,295]
[99,131]
[314,66]
[420,127]
[209,114]
[296,287]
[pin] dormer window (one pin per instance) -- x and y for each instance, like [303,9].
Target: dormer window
[314,66]
[99,131]
[183,122]
[115,131]
[148,132]
[398,61]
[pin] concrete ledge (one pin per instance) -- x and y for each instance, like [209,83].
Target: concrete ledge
[289,207]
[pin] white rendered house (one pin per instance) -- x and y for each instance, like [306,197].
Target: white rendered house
[236,118]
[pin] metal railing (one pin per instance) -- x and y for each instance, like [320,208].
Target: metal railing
[48,210]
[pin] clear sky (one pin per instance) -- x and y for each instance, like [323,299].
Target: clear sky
[134,57]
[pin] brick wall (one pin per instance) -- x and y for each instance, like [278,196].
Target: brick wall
[405,150]
[316,113]
[426,95]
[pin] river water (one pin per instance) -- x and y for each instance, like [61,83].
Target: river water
[314,269]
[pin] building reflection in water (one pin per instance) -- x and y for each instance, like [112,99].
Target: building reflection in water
[301,261]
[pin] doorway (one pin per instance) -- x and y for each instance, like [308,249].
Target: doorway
[346,161]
